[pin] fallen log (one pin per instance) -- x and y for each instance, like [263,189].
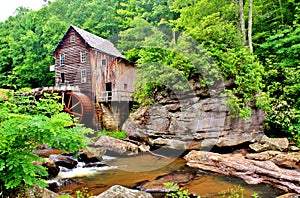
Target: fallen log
[251,171]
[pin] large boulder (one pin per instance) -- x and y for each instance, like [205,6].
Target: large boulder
[193,124]
[266,143]
[251,171]
[122,192]
[116,146]
[92,155]
[52,168]
[64,161]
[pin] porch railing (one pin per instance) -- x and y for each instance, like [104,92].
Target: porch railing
[115,96]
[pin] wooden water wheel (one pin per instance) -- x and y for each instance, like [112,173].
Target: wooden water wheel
[79,105]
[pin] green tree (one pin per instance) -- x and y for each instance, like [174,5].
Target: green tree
[25,124]
[147,27]
[213,25]
[282,79]
[27,63]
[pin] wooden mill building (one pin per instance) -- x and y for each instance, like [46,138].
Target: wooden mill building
[99,71]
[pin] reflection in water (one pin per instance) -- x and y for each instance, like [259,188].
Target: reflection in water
[130,171]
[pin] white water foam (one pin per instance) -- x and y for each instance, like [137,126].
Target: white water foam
[84,172]
[108,158]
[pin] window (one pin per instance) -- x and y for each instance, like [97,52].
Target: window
[72,38]
[125,87]
[104,62]
[108,87]
[62,59]
[52,68]
[83,76]
[83,57]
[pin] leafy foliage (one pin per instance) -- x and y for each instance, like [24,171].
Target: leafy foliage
[83,193]
[282,65]
[236,192]
[161,69]
[26,124]
[176,191]
[147,32]
[115,134]
[246,72]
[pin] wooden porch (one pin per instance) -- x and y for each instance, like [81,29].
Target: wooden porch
[115,96]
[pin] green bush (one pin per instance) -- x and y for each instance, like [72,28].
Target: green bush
[176,191]
[115,134]
[25,124]
[236,192]
[83,193]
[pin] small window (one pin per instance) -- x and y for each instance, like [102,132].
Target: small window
[125,87]
[72,38]
[104,62]
[83,76]
[62,59]
[83,57]
[52,68]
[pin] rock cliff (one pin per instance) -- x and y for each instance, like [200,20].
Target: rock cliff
[193,124]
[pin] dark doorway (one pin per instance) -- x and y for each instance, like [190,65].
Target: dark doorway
[62,76]
[108,90]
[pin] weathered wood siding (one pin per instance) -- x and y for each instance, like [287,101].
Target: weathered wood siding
[73,66]
[126,76]
[117,72]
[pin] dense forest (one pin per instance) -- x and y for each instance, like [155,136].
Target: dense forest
[255,45]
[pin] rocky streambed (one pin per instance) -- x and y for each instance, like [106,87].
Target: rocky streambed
[134,166]
[270,161]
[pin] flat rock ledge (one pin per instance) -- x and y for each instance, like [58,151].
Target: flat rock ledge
[251,171]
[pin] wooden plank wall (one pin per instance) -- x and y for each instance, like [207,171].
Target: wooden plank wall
[73,66]
[118,71]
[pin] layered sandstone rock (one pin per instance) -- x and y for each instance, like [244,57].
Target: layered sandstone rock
[267,143]
[193,124]
[252,171]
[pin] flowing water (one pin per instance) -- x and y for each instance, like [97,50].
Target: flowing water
[130,171]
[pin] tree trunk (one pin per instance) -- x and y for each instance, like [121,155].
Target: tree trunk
[281,11]
[250,26]
[237,15]
[175,36]
[242,21]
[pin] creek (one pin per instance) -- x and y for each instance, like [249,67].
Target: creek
[134,170]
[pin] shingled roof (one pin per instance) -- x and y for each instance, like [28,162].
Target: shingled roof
[97,42]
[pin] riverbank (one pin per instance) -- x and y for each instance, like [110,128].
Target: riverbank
[122,162]
[148,173]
